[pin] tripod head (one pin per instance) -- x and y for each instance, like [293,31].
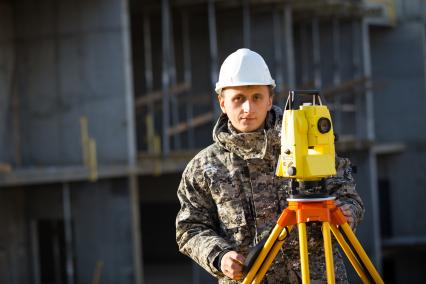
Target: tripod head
[307,144]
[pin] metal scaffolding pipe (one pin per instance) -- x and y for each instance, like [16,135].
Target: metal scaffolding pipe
[424,46]
[357,73]
[35,253]
[136,229]
[316,55]
[213,52]
[165,20]
[288,33]
[128,85]
[149,77]
[278,54]
[246,23]
[304,53]
[336,52]
[149,80]
[69,252]
[367,73]
[187,75]
[336,73]
[173,82]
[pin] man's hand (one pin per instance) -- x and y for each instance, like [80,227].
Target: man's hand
[346,210]
[232,265]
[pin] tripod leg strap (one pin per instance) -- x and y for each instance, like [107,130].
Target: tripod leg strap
[272,254]
[263,254]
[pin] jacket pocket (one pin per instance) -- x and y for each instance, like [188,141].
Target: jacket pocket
[231,214]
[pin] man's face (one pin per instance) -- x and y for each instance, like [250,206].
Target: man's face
[246,106]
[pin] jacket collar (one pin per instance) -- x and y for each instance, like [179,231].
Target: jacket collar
[253,145]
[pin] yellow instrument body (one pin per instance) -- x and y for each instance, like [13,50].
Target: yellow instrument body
[306,153]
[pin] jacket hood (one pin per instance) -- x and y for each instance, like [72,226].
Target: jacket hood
[253,145]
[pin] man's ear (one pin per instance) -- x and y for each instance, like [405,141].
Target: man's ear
[221,100]
[271,99]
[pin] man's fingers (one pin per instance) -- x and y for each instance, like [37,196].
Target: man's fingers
[235,257]
[234,274]
[232,265]
[236,266]
[239,258]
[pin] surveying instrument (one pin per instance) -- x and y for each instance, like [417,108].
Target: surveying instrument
[307,159]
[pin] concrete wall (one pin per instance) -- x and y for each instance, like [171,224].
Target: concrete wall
[102,230]
[400,96]
[159,206]
[399,106]
[14,252]
[398,61]
[71,60]
[409,9]
[7,76]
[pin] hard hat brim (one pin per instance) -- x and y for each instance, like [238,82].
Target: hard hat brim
[219,87]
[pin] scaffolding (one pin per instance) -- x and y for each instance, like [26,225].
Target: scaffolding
[295,25]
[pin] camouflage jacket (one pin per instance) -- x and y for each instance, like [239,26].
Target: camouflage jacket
[230,199]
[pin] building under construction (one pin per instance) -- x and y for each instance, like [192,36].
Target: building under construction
[103,102]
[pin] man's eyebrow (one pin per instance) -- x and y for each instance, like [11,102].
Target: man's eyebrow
[237,94]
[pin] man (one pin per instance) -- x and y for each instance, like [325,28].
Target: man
[230,197]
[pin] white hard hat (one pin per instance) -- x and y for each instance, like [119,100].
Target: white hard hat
[242,68]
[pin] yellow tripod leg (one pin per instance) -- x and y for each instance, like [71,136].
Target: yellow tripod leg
[328,252]
[271,256]
[349,254]
[360,251]
[303,246]
[263,253]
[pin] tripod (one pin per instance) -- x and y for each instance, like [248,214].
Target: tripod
[299,212]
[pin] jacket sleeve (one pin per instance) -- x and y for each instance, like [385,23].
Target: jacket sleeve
[343,187]
[197,225]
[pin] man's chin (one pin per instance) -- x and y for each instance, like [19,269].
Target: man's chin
[247,128]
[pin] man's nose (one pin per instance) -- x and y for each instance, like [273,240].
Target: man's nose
[248,106]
